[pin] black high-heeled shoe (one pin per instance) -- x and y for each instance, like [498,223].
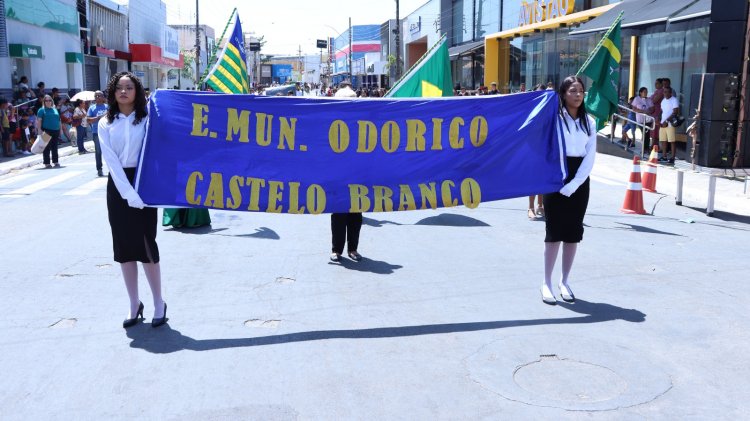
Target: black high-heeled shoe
[156,322]
[138,316]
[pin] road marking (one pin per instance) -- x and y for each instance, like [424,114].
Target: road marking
[13,180]
[33,188]
[87,188]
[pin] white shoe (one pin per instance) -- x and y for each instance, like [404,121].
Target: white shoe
[547,296]
[566,293]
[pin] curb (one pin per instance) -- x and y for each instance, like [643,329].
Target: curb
[36,159]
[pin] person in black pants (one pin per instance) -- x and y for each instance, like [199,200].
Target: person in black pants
[48,120]
[345,228]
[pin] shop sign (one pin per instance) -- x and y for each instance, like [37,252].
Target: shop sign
[416,27]
[539,11]
[25,51]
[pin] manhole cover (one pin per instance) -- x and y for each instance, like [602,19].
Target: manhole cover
[570,381]
[572,373]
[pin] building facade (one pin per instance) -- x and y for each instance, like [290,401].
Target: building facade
[358,59]
[106,50]
[186,36]
[42,42]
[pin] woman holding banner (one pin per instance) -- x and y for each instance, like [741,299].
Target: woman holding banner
[121,133]
[564,210]
[345,227]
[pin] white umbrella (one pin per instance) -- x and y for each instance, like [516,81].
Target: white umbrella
[83,96]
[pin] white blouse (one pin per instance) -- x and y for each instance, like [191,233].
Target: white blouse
[579,144]
[121,143]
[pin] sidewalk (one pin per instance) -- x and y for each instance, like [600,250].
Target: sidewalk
[19,161]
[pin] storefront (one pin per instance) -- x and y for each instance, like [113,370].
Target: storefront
[667,38]
[540,49]
[151,66]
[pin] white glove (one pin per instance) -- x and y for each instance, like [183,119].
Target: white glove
[135,201]
[567,190]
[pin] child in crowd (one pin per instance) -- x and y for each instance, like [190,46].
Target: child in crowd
[630,126]
[24,145]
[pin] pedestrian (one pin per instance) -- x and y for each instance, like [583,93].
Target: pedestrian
[493,89]
[643,107]
[565,209]
[670,107]
[629,126]
[79,121]
[539,212]
[656,99]
[65,109]
[133,225]
[95,113]
[5,126]
[25,127]
[345,227]
[48,121]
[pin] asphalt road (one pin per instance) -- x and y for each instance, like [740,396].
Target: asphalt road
[442,320]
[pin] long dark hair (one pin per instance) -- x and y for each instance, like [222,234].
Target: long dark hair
[140,98]
[582,114]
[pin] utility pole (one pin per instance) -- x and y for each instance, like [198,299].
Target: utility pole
[398,46]
[350,51]
[299,58]
[197,47]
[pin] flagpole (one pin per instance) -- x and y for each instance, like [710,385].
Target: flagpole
[213,53]
[601,42]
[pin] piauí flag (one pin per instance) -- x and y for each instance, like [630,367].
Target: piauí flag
[603,67]
[229,74]
[429,77]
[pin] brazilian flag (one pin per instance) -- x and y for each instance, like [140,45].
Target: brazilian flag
[429,77]
[603,67]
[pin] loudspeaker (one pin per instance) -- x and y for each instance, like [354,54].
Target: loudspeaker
[721,99]
[728,10]
[716,147]
[725,46]
[745,152]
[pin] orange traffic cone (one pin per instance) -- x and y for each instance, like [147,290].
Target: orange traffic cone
[634,196]
[649,177]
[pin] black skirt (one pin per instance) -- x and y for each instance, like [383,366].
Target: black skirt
[564,215]
[133,230]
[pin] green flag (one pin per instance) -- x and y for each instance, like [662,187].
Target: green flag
[429,77]
[603,67]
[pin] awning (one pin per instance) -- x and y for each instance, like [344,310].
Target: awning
[25,51]
[73,57]
[696,10]
[636,13]
[102,52]
[562,21]
[152,56]
[464,48]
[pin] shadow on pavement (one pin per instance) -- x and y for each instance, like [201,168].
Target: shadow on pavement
[442,220]
[724,216]
[166,340]
[262,232]
[377,224]
[452,220]
[367,265]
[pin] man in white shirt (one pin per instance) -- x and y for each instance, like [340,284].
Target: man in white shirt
[345,90]
[669,107]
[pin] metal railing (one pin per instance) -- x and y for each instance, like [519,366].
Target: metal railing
[644,126]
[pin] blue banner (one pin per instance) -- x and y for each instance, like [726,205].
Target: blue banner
[310,155]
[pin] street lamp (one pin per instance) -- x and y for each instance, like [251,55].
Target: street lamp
[334,49]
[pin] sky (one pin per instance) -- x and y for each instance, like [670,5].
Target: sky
[291,24]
